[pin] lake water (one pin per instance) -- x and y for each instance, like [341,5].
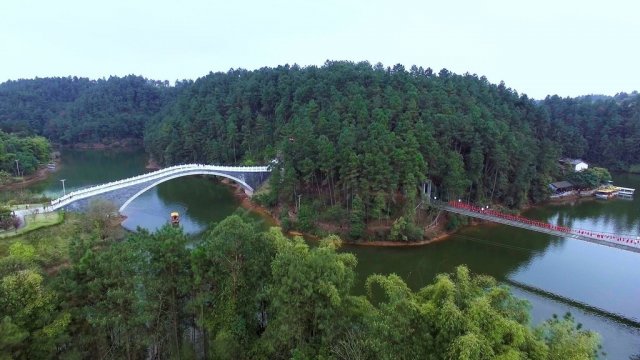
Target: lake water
[599,285]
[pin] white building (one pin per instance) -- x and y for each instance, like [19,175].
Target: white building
[576,164]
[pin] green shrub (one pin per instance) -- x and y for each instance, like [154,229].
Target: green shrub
[456,222]
[334,213]
[306,218]
[414,232]
[267,199]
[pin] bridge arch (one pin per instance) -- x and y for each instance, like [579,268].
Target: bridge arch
[242,183]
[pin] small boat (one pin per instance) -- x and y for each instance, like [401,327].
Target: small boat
[175,218]
[606,193]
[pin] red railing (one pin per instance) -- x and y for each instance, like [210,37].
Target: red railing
[622,239]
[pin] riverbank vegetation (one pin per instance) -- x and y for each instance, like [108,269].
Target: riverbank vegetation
[21,197]
[590,178]
[245,294]
[51,244]
[21,155]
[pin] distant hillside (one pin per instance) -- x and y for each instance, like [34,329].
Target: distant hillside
[601,129]
[27,105]
[78,110]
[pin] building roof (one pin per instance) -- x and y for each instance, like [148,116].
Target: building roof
[572,161]
[561,185]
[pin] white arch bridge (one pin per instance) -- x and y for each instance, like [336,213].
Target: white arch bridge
[123,192]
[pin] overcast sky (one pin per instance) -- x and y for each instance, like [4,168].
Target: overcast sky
[539,47]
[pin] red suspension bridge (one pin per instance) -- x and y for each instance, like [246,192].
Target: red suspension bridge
[625,242]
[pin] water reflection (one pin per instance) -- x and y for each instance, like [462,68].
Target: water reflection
[82,168]
[199,200]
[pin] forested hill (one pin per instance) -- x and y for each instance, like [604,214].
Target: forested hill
[78,110]
[347,129]
[26,105]
[603,130]
[342,129]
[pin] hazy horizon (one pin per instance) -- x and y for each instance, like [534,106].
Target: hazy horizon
[568,48]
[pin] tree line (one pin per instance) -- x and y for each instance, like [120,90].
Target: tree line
[241,293]
[72,110]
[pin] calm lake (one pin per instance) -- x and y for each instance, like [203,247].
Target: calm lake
[599,285]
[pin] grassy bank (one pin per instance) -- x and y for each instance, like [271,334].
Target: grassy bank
[34,222]
[51,243]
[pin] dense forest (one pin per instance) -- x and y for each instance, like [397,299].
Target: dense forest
[364,138]
[360,139]
[79,110]
[353,129]
[603,130]
[353,143]
[245,294]
[23,153]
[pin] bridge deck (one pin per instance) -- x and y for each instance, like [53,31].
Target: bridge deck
[619,242]
[247,176]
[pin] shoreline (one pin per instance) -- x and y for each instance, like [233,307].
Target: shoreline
[246,203]
[438,238]
[43,173]
[40,175]
[117,144]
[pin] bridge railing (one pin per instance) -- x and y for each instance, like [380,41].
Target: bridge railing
[110,186]
[629,240]
[113,185]
[169,169]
